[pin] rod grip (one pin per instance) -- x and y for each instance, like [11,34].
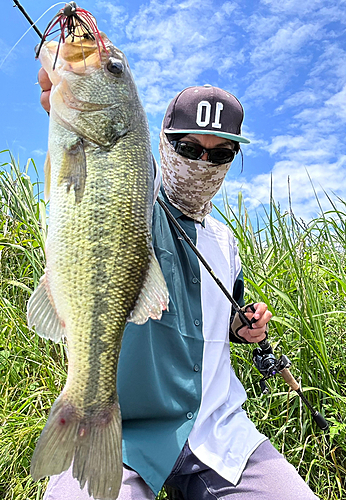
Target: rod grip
[289,379]
[320,421]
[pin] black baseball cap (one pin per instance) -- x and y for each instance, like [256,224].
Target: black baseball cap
[205,110]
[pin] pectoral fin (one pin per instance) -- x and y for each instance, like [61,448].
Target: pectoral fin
[42,313]
[153,298]
[73,170]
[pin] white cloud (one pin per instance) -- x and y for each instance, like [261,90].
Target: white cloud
[288,39]
[286,61]
[301,148]
[171,45]
[7,57]
[302,98]
[268,85]
[39,152]
[302,190]
[285,39]
[337,104]
[285,142]
[297,7]
[117,16]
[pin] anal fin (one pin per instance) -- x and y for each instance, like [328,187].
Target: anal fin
[41,312]
[153,298]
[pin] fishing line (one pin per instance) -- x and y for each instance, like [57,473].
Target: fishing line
[33,26]
[23,11]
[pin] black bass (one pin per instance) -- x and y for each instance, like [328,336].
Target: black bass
[101,269]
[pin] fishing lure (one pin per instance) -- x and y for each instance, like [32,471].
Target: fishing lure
[73,22]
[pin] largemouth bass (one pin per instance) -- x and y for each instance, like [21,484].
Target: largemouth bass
[101,269]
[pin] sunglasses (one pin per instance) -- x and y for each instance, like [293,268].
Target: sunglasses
[195,151]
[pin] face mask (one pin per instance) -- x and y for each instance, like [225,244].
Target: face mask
[189,184]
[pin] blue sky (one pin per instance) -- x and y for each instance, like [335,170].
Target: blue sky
[285,60]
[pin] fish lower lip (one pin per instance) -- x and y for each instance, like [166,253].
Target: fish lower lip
[37,48]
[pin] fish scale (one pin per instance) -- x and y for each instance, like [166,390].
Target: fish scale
[101,269]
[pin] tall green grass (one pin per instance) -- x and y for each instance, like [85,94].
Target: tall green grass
[297,268]
[32,371]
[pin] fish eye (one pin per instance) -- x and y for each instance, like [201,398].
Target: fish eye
[115,66]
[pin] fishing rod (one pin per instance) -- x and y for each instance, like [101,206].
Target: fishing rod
[263,357]
[26,15]
[69,11]
[188,240]
[265,361]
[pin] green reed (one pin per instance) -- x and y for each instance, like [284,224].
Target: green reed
[32,371]
[297,268]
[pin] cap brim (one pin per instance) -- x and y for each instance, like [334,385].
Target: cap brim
[225,135]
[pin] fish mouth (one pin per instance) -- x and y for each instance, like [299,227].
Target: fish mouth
[80,57]
[75,52]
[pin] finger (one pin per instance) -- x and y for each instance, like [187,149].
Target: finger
[251,336]
[260,323]
[256,318]
[43,79]
[256,310]
[44,99]
[259,338]
[257,332]
[260,309]
[251,332]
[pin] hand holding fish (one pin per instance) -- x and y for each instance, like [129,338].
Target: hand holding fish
[46,85]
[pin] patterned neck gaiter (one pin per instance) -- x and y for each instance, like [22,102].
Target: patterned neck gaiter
[189,184]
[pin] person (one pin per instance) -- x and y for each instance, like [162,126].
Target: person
[181,402]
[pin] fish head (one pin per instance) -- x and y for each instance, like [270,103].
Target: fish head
[93,93]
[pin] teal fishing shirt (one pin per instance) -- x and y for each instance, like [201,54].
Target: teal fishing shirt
[165,365]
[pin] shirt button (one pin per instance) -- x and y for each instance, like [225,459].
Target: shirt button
[194,280]
[189,415]
[196,322]
[196,368]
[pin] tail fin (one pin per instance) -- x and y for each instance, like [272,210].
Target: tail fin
[93,445]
